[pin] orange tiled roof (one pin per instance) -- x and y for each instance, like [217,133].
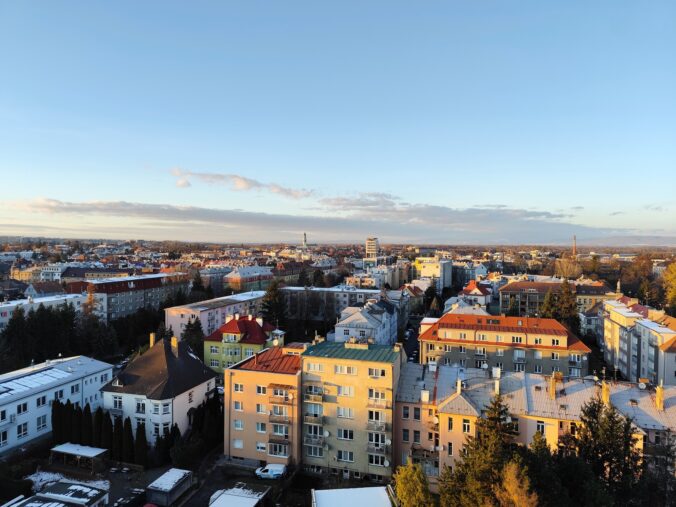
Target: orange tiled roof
[272,360]
[250,329]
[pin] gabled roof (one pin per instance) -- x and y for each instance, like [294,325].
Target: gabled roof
[250,330]
[162,373]
[458,403]
[473,288]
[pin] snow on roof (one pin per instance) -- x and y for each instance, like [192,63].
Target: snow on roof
[168,480]
[239,496]
[373,497]
[79,450]
[65,298]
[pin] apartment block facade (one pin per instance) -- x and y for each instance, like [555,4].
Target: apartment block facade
[509,343]
[262,400]
[348,408]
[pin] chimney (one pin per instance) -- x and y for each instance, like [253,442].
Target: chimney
[228,318]
[659,397]
[152,340]
[552,387]
[424,396]
[250,317]
[174,346]
[605,393]
[497,386]
[260,321]
[458,386]
[237,316]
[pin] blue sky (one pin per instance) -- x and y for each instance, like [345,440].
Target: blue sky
[449,122]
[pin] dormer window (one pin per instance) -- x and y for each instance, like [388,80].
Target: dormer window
[117,383]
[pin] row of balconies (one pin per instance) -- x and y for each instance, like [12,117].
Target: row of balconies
[323,398]
[320,420]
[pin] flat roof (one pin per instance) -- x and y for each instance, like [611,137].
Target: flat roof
[371,496]
[79,450]
[241,495]
[169,479]
[43,300]
[357,352]
[210,304]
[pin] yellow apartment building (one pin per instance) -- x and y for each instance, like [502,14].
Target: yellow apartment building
[263,407]
[348,408]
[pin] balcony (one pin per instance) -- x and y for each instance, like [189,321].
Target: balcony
[376,403]
[481,355]
[575,364]
[313,398]
[433,426]
[279,418]
[280,400]
[313,419]
[278,439]
[376,426]
[520,359]
[313,440]
[378,449]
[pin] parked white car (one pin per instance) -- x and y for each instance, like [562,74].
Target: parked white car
[271,472]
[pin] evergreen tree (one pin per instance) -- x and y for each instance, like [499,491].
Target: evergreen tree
[67,421]
[273,307]
[87,426]
[548,308]
[197,284]
[127,442]
[514,490]
[14,342]
[303,279]
[97,427]
[194,337]
[76,426]
[107,433]
[318,278]
[486,453]
[567,308]
[411,486]
[141,446]
[116,446]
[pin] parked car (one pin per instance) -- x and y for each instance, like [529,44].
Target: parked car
[271,472]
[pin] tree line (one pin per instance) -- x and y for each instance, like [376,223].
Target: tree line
[599,465]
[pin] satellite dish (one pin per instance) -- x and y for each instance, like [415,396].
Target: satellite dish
[642,386]
[388,442]
[484,366]
[386,463]
[327,434]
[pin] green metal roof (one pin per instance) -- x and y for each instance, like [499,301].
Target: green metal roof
[337,350]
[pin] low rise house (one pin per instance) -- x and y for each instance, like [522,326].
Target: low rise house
[26,396]
[160,388]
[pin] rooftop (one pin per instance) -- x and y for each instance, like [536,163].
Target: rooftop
[36,301]
[272,360]
[250,329]
[211,304]
[371,496]
[168,480]
[355,352]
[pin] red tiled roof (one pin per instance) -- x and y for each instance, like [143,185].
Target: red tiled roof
[472,286]
[272,360]
[250,330]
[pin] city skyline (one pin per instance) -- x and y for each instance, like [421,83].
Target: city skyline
[449,125]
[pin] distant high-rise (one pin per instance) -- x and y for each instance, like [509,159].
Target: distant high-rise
[305,240]
[372,247]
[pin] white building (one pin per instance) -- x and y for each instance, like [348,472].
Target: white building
[377,320]
[52,272]
[213,313]
[372,248]
[8,308]
[440,270]
[160,388]
[26,396]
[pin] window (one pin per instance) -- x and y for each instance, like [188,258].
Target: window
[42,422]
[500,352]
[22,430]
[538,341]
[377,460]
[555,356]
[344,434]
[117,402]
[450,448]
[463,349]
[516,339]
[345,391]
[239,388]
[376,415]
[375,394]
[499,365]
[214,363]
[465,425]
[280,450]
[315,367]
[190,397]
[279,410]
[481,337]
[314,451]
[239,424]
[74,389]
[538,368]
[58,394]
[261,390]
[165,408]
[515,424]
[3,438]
[345,412]
[238,406]
[248,352]
[22,408]
[463,336]
[537,354]
[405,410]
[214,349]
[260,408]
[404,435]
[139,422]
[555,341]
[165,428]
[540,427]
[341,369]
[156,429]
[260,446]
[450,424]
[281,430]
[3,415]
[346,332]
[416,436]
[140,407]
[416,413]
[347,456]
[376,372]
[498,338]
[156,408]
[41,401]
[238,443]
[261,427]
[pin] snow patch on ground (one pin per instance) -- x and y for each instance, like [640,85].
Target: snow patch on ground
[40,479]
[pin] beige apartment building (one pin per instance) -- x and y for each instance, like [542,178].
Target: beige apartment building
[348,408]
[437,409]
[520,344]
[263,407]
